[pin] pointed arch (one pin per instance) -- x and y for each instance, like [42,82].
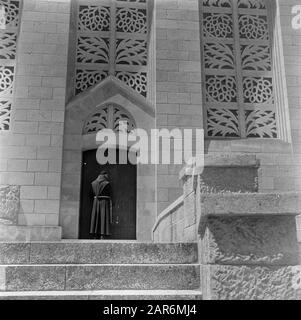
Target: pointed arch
[83,118]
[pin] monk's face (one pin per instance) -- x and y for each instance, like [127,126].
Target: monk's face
[104,176]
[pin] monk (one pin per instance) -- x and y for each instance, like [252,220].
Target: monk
[101,216]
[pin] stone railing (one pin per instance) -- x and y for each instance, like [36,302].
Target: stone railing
[247,240]
[169,226]
[179,222]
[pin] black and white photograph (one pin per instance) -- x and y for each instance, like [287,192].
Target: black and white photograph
[150,151]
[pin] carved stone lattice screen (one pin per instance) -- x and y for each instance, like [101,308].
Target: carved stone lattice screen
[237,67]
[109,117]
[9,23]
[112,40]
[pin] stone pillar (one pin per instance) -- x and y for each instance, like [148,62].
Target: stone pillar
[31,151]
[178,82]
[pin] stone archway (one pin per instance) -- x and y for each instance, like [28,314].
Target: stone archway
[79,111]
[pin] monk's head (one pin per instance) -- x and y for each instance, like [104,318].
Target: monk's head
[104,174]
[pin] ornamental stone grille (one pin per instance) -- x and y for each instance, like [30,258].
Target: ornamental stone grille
[109,117]
[112,40]
[9,22]
[237,67]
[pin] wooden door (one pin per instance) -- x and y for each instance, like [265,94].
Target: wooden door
[123,179]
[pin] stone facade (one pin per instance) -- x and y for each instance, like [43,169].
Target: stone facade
[280,164]
[37,152]
[236,214]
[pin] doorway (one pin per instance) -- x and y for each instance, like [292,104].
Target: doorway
[123,179]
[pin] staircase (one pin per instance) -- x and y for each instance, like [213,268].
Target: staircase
[104,270]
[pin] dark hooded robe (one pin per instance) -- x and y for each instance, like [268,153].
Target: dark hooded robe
[101,216]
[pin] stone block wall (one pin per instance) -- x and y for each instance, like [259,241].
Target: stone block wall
[179,98]
[289,168]
[178,81]
[280,161]
[31,152]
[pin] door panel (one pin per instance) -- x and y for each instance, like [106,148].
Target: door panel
[123,179]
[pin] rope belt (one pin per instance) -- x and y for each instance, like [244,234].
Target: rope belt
[102,197]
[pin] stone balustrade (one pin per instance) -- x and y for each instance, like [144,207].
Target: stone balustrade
[247,240]
[169,226]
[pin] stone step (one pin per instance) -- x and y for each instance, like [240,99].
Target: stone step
[97,252]
[99,277]
[104,295]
